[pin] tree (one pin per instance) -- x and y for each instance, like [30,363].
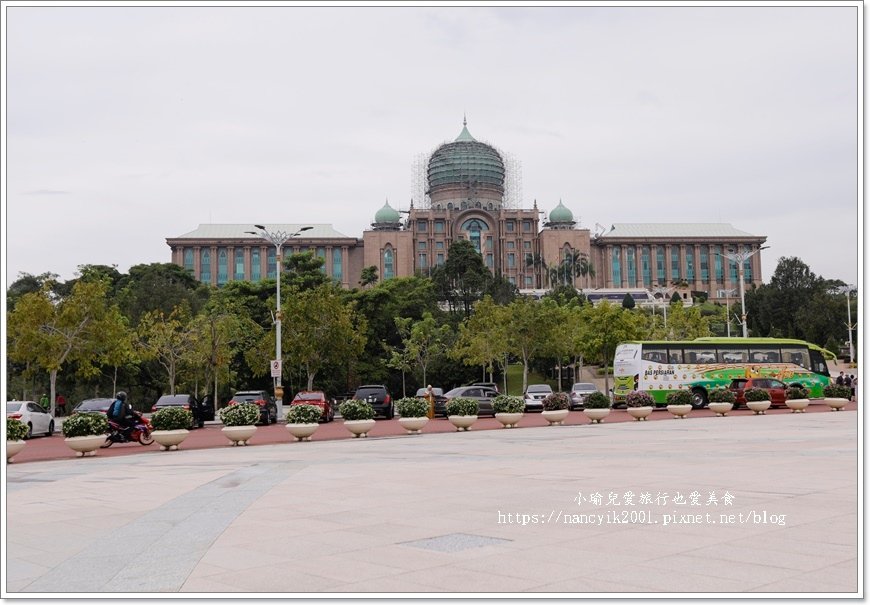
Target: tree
[168,339]
[159,287]
[628,301]
[537,262]
[368,276]
[483,338]
[687,323]
[675,298]
[304,271]
[52,332]
[463,278]
[423,339]
[612,325]
[530,326]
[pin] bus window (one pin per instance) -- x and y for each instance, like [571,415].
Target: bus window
[675,355]
[700,354]
[732,355]
[818,364]
[764,355]
[799,356]
[655,354]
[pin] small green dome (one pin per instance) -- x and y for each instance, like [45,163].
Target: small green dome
[560,214]
[387,214]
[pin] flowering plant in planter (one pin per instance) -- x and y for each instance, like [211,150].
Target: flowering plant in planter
[171,418]
[756,395]
[303,414]
[722,396]
[836,391]
[508,404]
[243,414]
[412,407]
[356,409]
[15,430]
[556,401]
[796,392]
[85,424]
[639,399]
[597,400]
[680,397]
[462,406]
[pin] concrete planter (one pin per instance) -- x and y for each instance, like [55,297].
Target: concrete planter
[14,447]
[720,407]
[509,419]
[302,431]
[797,405]
[462,423]
[239,435]
[359,428]
[555,416]
[680,411]
[170,440]
[413,425]
[85,446]
[596,415]
[836,403]
[640,413]
[758,407]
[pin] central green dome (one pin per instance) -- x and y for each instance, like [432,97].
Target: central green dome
[466,162]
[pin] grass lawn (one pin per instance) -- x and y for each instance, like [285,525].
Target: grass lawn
[515,379]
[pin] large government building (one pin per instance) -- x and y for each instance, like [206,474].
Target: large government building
[469,192]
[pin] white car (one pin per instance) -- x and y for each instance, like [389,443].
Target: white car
[535,395]
[31,414]
[579,392]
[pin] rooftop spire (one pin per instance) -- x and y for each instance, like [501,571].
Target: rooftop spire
[464,136]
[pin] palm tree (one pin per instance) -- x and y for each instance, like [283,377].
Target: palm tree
[540,266]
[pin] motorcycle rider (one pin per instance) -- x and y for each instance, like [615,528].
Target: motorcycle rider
[123,414]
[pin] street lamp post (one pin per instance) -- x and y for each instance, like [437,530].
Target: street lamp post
[663,292]
[728,294]
[848,290]
[277,238]
[740,258]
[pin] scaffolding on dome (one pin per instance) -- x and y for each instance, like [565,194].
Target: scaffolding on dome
[513,181]
[418,181]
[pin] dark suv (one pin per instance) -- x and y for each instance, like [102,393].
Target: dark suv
[378,397]
[268,408]
[188,402]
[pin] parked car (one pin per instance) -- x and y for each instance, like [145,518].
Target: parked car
[268,407]
[579,392]
[98,404]
[489,385]
[379,397]
[319,399]
[535,395]
[483,396]
[775,389]
[186,401]
[31,414]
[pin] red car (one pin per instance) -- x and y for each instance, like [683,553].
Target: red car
[774,388]
[319,399]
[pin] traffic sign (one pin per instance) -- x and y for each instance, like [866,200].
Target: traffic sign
[276,368]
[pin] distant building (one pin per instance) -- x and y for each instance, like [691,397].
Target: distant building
[470,192]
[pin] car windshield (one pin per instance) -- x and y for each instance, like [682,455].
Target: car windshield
[173,400]
[540,388]
[12,407]
[94,404]
[309,396]
[455,392]
[583,386]
[435,391]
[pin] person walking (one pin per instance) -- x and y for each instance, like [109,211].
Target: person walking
[841,379]
[60,406]
[43,401]
[854,385]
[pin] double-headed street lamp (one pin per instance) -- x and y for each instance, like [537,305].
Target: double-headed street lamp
[277,238]
[848,290]
[740,258]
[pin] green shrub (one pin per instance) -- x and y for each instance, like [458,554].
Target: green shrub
[639,399]
[15,430]
[241,414]
[508,404]
[84,424]
[171,418]
[756,395]
[680,397]
[597,400]
[556,401]
[303,414]
[797,392]
[356,409]
[722,396]
[835,391]
[462,406]
[411,407]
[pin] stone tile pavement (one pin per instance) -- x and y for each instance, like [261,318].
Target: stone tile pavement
[422,514]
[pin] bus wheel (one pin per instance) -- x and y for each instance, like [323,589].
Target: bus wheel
[699,398]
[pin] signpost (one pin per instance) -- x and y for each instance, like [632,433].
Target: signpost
[275,366]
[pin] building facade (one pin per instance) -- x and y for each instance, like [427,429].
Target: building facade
[465,198]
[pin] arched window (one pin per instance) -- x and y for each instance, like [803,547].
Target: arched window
[222,266]
[389,267]
[271,266]
[205,265]
[474,227]
[188,259]
[336,264]
[255,264]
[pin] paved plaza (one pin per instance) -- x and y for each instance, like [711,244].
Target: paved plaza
[769,504]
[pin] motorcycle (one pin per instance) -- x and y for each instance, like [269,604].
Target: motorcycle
[140,432]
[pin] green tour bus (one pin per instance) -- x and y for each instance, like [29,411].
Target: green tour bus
[703,364]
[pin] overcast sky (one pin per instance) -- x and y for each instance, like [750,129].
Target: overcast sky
[128,125]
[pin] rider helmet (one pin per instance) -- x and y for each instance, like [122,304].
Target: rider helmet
[121,395]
